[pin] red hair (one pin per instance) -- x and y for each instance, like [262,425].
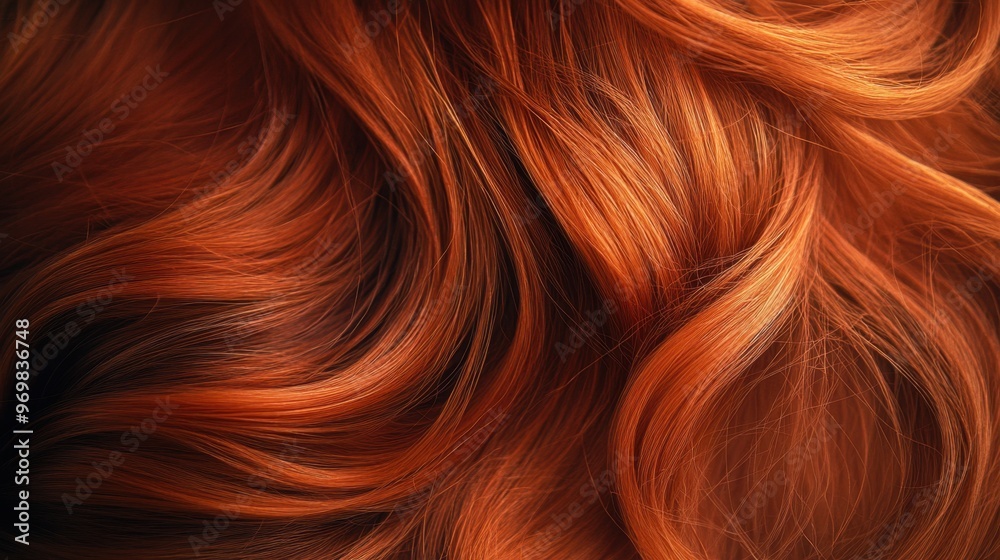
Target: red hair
[542,279]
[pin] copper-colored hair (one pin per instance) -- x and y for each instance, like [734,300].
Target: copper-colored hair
[560,279]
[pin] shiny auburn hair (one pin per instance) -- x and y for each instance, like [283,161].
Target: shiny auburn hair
[539,279]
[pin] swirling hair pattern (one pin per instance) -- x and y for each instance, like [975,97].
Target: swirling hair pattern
[534,279]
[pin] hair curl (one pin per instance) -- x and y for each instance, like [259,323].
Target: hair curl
[545,279]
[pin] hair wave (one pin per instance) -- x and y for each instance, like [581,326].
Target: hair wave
[610,279]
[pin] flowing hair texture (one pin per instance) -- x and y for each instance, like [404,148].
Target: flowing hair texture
[535,279]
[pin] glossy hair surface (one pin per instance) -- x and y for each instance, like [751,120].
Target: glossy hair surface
[560,279]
